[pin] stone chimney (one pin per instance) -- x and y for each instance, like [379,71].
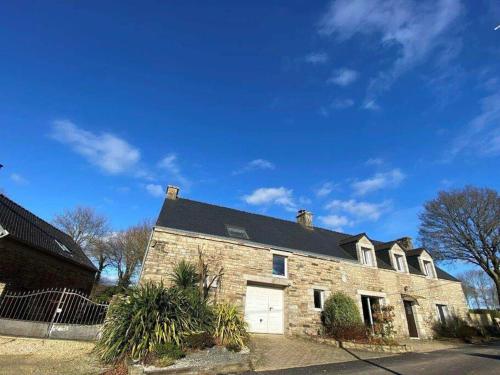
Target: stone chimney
[172,192]
[406,243]
[305,218]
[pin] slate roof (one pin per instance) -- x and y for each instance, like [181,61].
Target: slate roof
[29,229]
[194,216]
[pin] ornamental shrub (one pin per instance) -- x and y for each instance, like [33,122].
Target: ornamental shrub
[341,318]
[229,327]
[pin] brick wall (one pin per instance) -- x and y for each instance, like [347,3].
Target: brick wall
[244,263]
[24,268]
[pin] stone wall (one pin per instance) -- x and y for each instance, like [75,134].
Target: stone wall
[25,268]
[245,263]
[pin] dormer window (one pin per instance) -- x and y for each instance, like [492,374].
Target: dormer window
[367,256]
[399,263]
[428,268]
[237,232]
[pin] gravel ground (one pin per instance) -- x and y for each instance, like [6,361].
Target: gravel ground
[38,356]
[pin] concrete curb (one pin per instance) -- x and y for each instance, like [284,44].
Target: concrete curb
[227,368]
[396,349]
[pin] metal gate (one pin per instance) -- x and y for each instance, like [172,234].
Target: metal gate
[52,306]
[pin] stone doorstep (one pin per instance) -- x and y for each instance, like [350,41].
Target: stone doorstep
[367,347]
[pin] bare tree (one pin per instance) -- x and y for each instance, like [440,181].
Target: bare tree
[479,289]
[464,225]
[89,230]
[205,279]
[127,250]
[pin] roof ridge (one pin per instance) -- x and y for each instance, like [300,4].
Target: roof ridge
[35,216]
[265,216]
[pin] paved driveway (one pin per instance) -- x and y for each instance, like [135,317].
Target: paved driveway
[469,359]
[272,352]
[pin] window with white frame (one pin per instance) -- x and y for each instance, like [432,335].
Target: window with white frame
[443,313]
[279,265]
[212,282]
[428,268]
[399,263]
[62,246]
[319,298]
[367,256]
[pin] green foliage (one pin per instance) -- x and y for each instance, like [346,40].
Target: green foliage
[105,294]
[455,327]
[185,275]
[230,328]
[383,327]
[166,354]
[341,315]
[199,340]
[151,315]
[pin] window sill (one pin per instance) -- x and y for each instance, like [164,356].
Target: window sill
[281,276]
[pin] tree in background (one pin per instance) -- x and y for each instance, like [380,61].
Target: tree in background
[479,289]
[126,249]
[464,225]
[89,230]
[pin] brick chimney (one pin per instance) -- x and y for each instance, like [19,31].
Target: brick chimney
[406,243]
[305,218]
[172,192]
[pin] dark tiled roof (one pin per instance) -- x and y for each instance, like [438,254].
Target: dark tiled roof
[193,216]
[28,228]
[385,245]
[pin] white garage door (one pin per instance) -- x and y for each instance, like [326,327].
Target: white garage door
[264,309]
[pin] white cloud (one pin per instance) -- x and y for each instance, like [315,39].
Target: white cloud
[379,181]
[18,179]
[325,189]
[342,103]
[335,222]
[316,58]
[255,164]
[371,105]
[375,161]
[155,190]
[267,196]
[416,28]
[170,163]
[360,210]
[343,77]
[108,152]
[481,136]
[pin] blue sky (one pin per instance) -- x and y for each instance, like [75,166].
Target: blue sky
[359,111]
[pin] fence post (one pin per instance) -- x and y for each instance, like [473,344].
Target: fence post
[55,313]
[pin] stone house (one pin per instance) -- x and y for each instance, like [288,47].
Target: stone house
[280,272]
[36,255]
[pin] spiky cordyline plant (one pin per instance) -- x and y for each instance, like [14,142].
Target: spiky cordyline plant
[151,315]
[229,328]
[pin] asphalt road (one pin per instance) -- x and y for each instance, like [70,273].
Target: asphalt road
[473,359]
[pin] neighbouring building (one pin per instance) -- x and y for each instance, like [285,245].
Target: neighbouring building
[36,255]
[280,272]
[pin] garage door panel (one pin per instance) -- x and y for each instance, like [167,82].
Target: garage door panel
[264,309]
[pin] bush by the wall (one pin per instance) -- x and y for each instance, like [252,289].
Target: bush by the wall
[341,318]
[455,327]
[151,315]
[229,327]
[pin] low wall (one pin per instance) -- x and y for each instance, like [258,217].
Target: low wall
[481,319]
[23,328]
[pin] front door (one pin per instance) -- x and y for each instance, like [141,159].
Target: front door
[410,318]
[264,309]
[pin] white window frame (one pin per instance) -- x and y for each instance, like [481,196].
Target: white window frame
[431,268]
[397,264]
[62,246]
[286,265]
[364,251]
[446,312]
[215,284]
[322,299]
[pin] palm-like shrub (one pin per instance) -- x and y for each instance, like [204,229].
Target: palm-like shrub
[341,317]
[149,316]
[229,327]
[185,275]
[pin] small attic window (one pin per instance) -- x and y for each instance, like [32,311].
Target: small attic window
[62,246]
[237,232]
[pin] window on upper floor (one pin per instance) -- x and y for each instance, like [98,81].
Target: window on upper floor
[367,256]
[237,232]
[279,265]
[319,298]
[399,263]
[428,268]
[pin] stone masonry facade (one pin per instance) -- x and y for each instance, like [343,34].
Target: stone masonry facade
[249,263]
